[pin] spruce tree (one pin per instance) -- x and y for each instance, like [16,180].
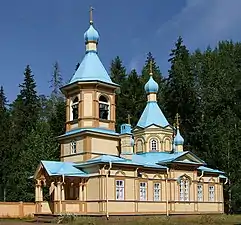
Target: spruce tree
[179,91]
[56,81]
[118,75]
[4,143]
[25,112]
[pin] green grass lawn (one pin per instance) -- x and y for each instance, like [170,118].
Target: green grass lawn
[161,220]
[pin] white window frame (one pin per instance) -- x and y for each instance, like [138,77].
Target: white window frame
[157,191]
[153,145]
[143,191]
[120,189]
[184,189]
[200,192]
[71,107]
[73,147]
[211,193]
[107,104]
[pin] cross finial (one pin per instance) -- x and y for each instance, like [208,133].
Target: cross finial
[129,119]
[91,15]
[150,68]
[177,117]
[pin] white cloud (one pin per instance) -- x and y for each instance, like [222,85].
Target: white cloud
[203,22]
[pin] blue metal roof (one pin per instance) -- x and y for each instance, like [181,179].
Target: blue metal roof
[152,114]
[91,69]
[55,168]
[156,157]
[222,176]
[118,160]
[97,130]
[209,170]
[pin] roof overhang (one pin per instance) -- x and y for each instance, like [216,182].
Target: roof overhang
[91,132]
[64,89]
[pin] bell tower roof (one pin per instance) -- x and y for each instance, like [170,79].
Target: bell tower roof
[91,68]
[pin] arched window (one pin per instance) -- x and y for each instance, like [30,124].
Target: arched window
[74,113]
[153,145]
[167,145]
[103,108]
[139,146]
[184,189]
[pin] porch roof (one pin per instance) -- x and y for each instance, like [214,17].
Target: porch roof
[55,168]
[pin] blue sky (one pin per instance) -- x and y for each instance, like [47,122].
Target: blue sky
[42,32]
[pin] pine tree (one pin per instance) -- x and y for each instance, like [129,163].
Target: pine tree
[56,81]
[134,95]
[118,75]
[25,114]
[117,71]
[179,91]
[4,143]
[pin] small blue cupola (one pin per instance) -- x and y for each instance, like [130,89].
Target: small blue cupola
[178,140]
[91,35]
[151,86]
[152,114]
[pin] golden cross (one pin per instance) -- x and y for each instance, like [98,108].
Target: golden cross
[177,117]
[129,119]
[151,68]
[91,15]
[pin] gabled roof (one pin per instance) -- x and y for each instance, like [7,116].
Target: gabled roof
[152,114]
[55,168]
[117,160]
[91,69]
[164,158]
[95,130]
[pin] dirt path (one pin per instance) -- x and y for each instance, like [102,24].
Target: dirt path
[18,222]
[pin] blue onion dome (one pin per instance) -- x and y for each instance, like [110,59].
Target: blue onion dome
[151,86]
[178,140]
[91,34]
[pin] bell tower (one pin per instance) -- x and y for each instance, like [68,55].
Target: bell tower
[90,93]
[90,106]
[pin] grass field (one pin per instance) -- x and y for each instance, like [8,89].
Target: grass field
[155,220]
[161,220]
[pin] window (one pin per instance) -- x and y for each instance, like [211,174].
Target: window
[103,108]
[143,191]
[157,191]
[153,145]
[120,190]
[75,109]
[200,192]
[73,147]
[139,146]
[211,193]
[184,189]
[167,145]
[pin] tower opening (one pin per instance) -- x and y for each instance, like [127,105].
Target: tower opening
[103,108]
[75,109]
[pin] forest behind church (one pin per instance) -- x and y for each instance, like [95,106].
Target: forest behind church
[204,87]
